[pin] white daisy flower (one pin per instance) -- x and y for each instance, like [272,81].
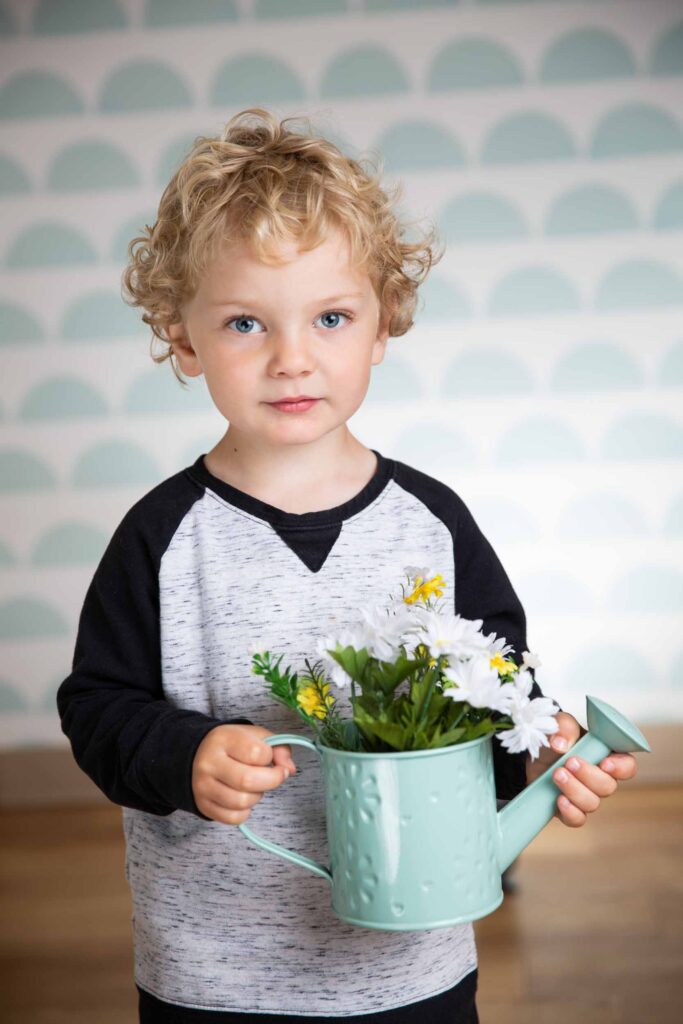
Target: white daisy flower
[521,685]
[530,660]
[424,572]
[381,630]
[478,684]
[498,646]
[534,721]
[450,634]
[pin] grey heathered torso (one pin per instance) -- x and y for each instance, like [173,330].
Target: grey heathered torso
[219,924]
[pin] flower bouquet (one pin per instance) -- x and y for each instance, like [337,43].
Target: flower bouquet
[415,837]
[420,678]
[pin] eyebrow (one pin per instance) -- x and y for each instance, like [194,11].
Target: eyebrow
[317,302]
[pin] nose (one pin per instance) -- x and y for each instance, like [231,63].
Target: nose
[291,353]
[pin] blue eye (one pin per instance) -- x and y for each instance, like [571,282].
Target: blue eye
[243,318]
[334,312]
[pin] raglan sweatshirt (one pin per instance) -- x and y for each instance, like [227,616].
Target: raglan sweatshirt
[195,571]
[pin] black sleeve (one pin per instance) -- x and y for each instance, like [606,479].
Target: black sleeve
[483,591]
[134,744]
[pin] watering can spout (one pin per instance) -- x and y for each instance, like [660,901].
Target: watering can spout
[523,818]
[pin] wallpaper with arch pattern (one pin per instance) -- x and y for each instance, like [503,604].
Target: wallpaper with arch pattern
[543,378]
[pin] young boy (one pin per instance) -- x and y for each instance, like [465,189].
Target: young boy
[276,268]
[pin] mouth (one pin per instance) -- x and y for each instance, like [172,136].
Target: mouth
[299,404]
[294,398]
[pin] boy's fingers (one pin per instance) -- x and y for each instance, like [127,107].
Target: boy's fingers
[259,779]
[248,748]
[620,766]
[280,755]
[231,799]
[249,778]
[569,814]
[283,756]
[579,794]
[593,777]
[224,815]
[244,742]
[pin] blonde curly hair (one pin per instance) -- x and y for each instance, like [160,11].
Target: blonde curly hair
[260,183]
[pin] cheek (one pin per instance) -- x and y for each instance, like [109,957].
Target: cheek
[350,386]
[230,370]
[230,385]
[351,364]
[341,366]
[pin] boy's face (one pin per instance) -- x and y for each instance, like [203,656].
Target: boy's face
[261,333]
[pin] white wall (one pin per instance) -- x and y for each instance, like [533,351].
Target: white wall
[543,378]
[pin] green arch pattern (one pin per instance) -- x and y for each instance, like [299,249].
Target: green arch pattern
[499,314]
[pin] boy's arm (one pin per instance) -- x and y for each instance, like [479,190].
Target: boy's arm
[136,746]
[484,591]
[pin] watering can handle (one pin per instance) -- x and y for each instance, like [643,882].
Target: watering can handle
[522,818]
[282,851]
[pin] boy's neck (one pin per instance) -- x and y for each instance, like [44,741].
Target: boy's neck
[293,480]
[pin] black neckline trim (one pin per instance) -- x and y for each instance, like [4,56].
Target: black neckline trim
[296,520]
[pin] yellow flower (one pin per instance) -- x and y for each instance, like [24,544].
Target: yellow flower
[314,702]
[426,589]
[497,661]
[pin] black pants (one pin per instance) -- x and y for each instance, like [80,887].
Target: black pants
[454,1006]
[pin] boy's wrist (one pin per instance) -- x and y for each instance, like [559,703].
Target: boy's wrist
[162,768]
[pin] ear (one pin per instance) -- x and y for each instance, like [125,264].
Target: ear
[186,356]
[380,342]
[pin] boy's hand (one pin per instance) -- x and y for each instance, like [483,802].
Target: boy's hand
[233,768]
[586,784]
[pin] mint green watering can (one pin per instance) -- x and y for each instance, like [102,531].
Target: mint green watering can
[414,836]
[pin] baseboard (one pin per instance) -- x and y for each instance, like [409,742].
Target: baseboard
[51,776]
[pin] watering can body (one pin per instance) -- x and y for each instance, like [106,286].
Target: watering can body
[414,837]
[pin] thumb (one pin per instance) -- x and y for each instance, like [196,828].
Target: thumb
[567,734]
[282,755]
[568,731]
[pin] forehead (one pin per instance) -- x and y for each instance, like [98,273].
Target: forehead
[330,262]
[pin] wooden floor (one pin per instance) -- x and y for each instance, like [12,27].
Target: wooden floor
[594,933]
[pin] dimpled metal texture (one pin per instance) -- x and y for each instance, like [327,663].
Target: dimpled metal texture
[413,836]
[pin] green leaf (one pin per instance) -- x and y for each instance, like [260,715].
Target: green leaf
[352,661]
[448,738]
[480,729]
[379,728]
[368,702]
[420,740]
[390,732]
[389,676]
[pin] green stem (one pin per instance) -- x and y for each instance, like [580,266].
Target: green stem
[428,697]
[458,720]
